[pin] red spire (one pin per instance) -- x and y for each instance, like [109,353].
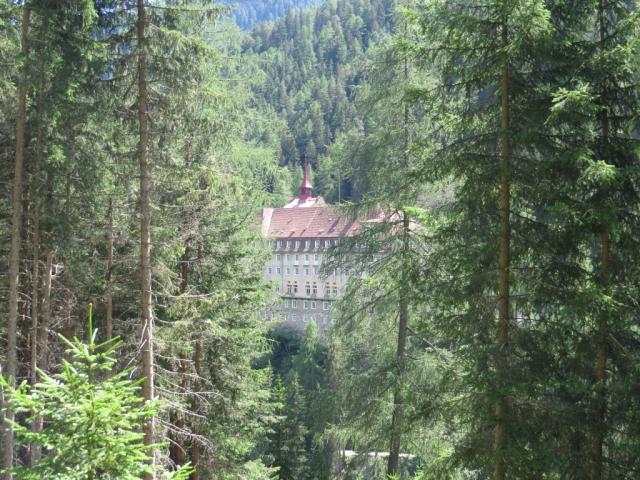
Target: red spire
[305,186]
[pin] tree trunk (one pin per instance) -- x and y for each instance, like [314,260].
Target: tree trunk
[195,447]
[146,305]
[180,456]
[504,280]
[46,314]
[398,409]
[178,450]
[601,335]
[34,450]
[109,293]
[16,229]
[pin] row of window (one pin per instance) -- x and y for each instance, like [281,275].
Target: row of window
[296,257]
[306,244]
[312,289]
[294,270]
[306,304]
[306,271]
[293,317]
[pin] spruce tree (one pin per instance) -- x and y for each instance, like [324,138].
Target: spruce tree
[485,112]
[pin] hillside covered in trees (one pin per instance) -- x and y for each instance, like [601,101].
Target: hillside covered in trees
[247,13]
[490,326]
[314,62]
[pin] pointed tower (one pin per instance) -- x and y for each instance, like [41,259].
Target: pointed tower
[305,186]
[306,198]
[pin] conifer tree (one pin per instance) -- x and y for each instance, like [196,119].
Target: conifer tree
[10,365]
[485,109]
[92,417]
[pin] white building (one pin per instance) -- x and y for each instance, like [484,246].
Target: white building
[299,235]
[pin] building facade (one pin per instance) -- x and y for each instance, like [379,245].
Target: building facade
[299,236]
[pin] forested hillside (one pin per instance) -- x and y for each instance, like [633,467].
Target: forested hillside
[313,62]
[247,13]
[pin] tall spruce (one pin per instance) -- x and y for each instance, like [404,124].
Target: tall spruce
[10,366]
[483,101]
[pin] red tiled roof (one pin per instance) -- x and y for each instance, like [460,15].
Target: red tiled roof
[311,222]
[305,202]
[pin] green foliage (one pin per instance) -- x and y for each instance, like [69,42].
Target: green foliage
[247,13]
[92,416]
[313,64]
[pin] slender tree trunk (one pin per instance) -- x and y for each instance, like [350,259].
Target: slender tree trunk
[109,294]
[504,280]
[180,456]
[195,447]
[16,229]
[34,450]
[179,450]
[601,335]
[43,339]
[398,407]
[35,302]
[601,372]
[146,305]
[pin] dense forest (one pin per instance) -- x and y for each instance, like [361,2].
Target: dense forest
[315,62]
[490,327]
[247,13]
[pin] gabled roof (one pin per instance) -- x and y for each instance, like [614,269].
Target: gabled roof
[311,222]
[305,202]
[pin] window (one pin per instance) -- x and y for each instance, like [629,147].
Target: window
[317,244]
[288,244]
[335,290]
[294,317]
[315,289]
[287,303]
[325,306]
[307,244]
[289,287]
[278,256]
[308,289]
[278,270]
[297,244]
[313,305]
[306,271]
[327,290]
[270,270]
[296,271]
[295,287]
[305,318]
[278,246]
[306,305]
[296,258]
[316,258]
[306,257]
[286,257]
[270,243]
[294,304]
[288,271]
